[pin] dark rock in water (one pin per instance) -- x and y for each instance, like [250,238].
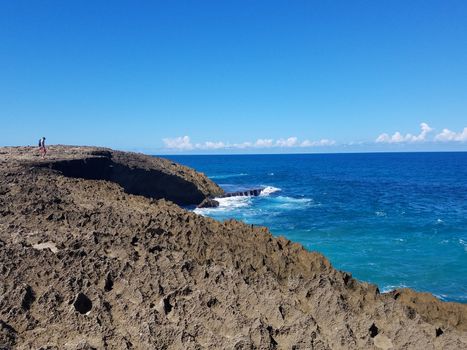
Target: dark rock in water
[208,203]
[250,193]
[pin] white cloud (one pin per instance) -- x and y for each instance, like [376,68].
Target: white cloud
[322,142]
[264,143]
[383,138]
[425,131]
[397,137]
[179,143]
[447,135]
[326,142]
[184,144]
[210,145]
[290,142]
[242,145]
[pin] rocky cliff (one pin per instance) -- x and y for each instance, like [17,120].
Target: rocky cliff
[93,264]
[136,173]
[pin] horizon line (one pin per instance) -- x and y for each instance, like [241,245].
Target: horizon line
[297,153]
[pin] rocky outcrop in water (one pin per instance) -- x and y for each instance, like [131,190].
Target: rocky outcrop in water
[87,264]
[214,203]
[246,193]
[208,203]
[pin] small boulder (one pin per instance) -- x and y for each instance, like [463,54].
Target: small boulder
[208,203]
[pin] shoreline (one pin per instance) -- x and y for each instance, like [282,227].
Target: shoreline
[123,261]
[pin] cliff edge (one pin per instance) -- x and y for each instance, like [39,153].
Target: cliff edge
[90,264]
[136,173]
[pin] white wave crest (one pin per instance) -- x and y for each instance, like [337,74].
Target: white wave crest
[293,200]
[389,288]
[441,296]
[226,204]
[463,243]
[268,190]
[234,202]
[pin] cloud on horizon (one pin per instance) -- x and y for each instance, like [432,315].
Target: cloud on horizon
[425,135]
[397,137]
[448,136]
[445,136]
[183,143]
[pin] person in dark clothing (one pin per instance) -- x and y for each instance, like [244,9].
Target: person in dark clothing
[42,149]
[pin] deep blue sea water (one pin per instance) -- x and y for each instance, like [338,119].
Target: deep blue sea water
[393,219]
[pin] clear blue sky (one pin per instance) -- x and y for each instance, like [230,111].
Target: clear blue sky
[326,75]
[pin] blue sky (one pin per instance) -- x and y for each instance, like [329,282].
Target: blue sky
[235,76]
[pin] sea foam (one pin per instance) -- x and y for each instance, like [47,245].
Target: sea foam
[268,190]
[290,203]
[226,204]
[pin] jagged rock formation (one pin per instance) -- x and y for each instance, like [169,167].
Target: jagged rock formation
[84,264]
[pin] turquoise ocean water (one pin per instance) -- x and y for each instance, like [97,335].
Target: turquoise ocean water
[393,219]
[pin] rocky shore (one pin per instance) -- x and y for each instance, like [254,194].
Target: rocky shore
[95,254]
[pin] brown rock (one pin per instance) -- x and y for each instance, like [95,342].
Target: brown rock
[136,173]
[134,272]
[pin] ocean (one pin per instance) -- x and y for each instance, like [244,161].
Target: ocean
[392,219]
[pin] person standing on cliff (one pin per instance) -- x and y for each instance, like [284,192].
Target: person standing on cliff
[42,149]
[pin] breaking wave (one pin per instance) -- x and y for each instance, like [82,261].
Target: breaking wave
[268,190]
